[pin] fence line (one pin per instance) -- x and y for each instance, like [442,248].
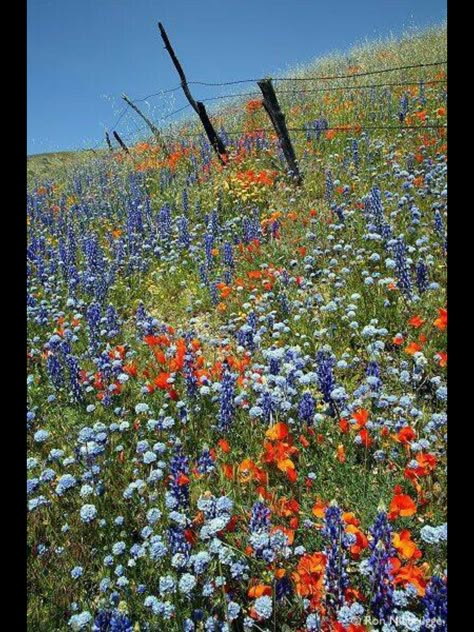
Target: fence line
[322,77]
[353,127]
[303,91]
[240,81]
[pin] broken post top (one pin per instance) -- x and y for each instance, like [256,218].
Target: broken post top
[178,66]
[197,106]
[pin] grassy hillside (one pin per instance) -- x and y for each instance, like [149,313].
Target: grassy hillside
[42,167]
[237,386]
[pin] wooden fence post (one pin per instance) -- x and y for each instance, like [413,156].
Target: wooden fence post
[150,124]
[197,106]
[109,144]
[272,107]
[121,143]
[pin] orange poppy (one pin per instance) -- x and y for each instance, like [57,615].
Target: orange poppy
[248,472]
[309,576]
[405,546]
[361,542]
[319,508]
[277,432]
[401,505]
[411,574]
[259,590]
[279,453]
[442,321]
[412,348]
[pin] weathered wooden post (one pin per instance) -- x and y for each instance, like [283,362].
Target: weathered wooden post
[121,143]
[272,107]
[109,144]
[151,125]
[197,106]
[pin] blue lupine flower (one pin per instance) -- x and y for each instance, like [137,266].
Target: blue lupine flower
[226,400]
[435,604]
[307,408]
[381,580]
[336,579]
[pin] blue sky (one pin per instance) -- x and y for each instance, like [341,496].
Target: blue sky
[83,54]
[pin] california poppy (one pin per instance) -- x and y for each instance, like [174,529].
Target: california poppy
[442,321]
[401,505]
[405,546]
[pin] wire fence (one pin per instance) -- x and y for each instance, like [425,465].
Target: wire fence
[421,82]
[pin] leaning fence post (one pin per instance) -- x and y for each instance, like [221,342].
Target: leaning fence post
[109,144]
[197,106]
[272,107]
[150,124]
[121,143]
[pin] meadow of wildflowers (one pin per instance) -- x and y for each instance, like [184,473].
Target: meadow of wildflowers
[237,387]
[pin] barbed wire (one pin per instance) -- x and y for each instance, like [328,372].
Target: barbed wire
[352,127]
[240,81]
[420,82]
[322,77]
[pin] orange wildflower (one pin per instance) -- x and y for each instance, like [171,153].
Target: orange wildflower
[361,416]
[248,472]
[259,590]
[361,542]
[416,321]
[414,575]
[309,576]
[319,508]
[442,321]
[406,435]
[341,453]
[277,432]
[279,453]
[224,445]
[228,471]
[344,425]
[405,546]
[442,358]
[253,106]
[401,505]
[161,380]
[412,348]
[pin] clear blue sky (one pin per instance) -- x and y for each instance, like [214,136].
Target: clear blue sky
[83,54]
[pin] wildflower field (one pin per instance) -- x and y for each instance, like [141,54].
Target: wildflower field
[236,385]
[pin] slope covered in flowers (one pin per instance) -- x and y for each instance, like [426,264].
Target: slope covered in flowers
[237,387]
